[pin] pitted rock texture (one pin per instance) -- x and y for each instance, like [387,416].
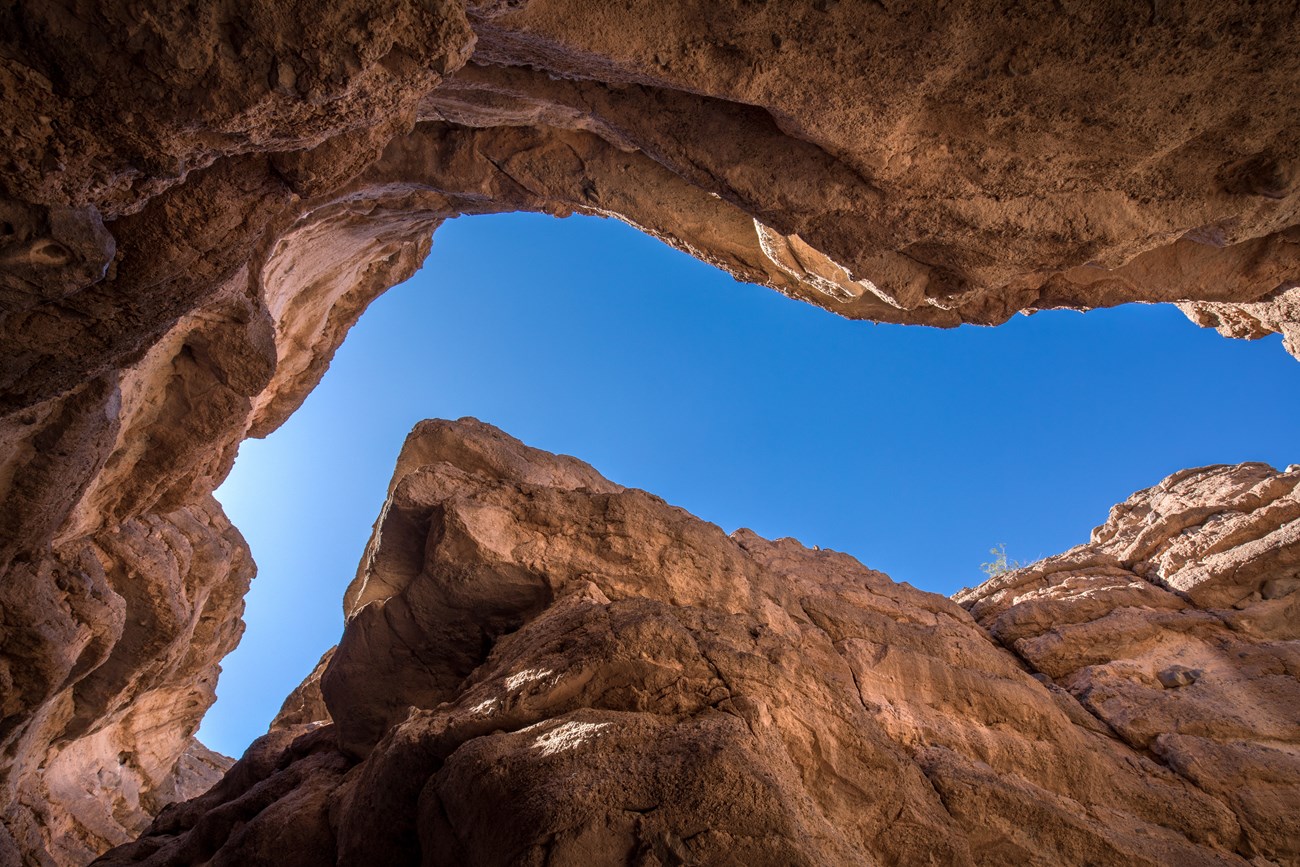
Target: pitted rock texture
[197,201]
[114,641]
[1178,625]
[542,667]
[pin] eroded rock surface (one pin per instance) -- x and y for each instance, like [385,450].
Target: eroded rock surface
[118,657]
[542,667]
[197,202]
[1178,625]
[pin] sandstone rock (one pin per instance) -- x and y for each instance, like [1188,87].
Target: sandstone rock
[103,692]
[305,705]
[285,777]
[1161,627]
[1178,675]
[197,203]
[541,667]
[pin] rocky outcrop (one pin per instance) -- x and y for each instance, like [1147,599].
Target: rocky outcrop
[196,203]
[305,704]
[542,667]
[1178,626]
[113,641]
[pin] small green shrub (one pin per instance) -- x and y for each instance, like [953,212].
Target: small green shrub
[1000,563]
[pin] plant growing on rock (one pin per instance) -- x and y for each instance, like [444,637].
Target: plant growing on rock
[1000,563]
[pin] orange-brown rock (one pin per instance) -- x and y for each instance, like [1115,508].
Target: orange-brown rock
[198,200]
[305,704]
[114,642]
[542,667]
[1178,625]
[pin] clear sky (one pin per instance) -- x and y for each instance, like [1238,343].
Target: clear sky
[913,449]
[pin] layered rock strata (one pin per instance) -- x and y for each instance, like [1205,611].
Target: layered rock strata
[197,201]
[1178,626]
[542,667]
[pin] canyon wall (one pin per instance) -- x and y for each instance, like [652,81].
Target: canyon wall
[542,667]
[1178,626]
[198,200]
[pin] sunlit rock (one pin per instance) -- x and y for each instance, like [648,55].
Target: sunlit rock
[1177,626]
[541,667]
[198,201]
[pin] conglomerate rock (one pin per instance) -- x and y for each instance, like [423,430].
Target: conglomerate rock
[542,667]
[197,200]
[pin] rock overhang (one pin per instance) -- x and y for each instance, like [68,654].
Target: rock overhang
[196,211]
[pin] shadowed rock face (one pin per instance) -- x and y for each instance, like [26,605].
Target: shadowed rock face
[542,667]
[197,201]
[113,640]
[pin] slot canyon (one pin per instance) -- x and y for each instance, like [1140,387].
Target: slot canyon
[541,666]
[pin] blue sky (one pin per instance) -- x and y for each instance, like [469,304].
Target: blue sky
[913,449]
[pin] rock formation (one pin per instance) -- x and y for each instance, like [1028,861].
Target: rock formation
[1178,626]
[198,200]
[542,667]
[113,642]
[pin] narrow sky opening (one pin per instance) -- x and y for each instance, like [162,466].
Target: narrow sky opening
[913,449]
